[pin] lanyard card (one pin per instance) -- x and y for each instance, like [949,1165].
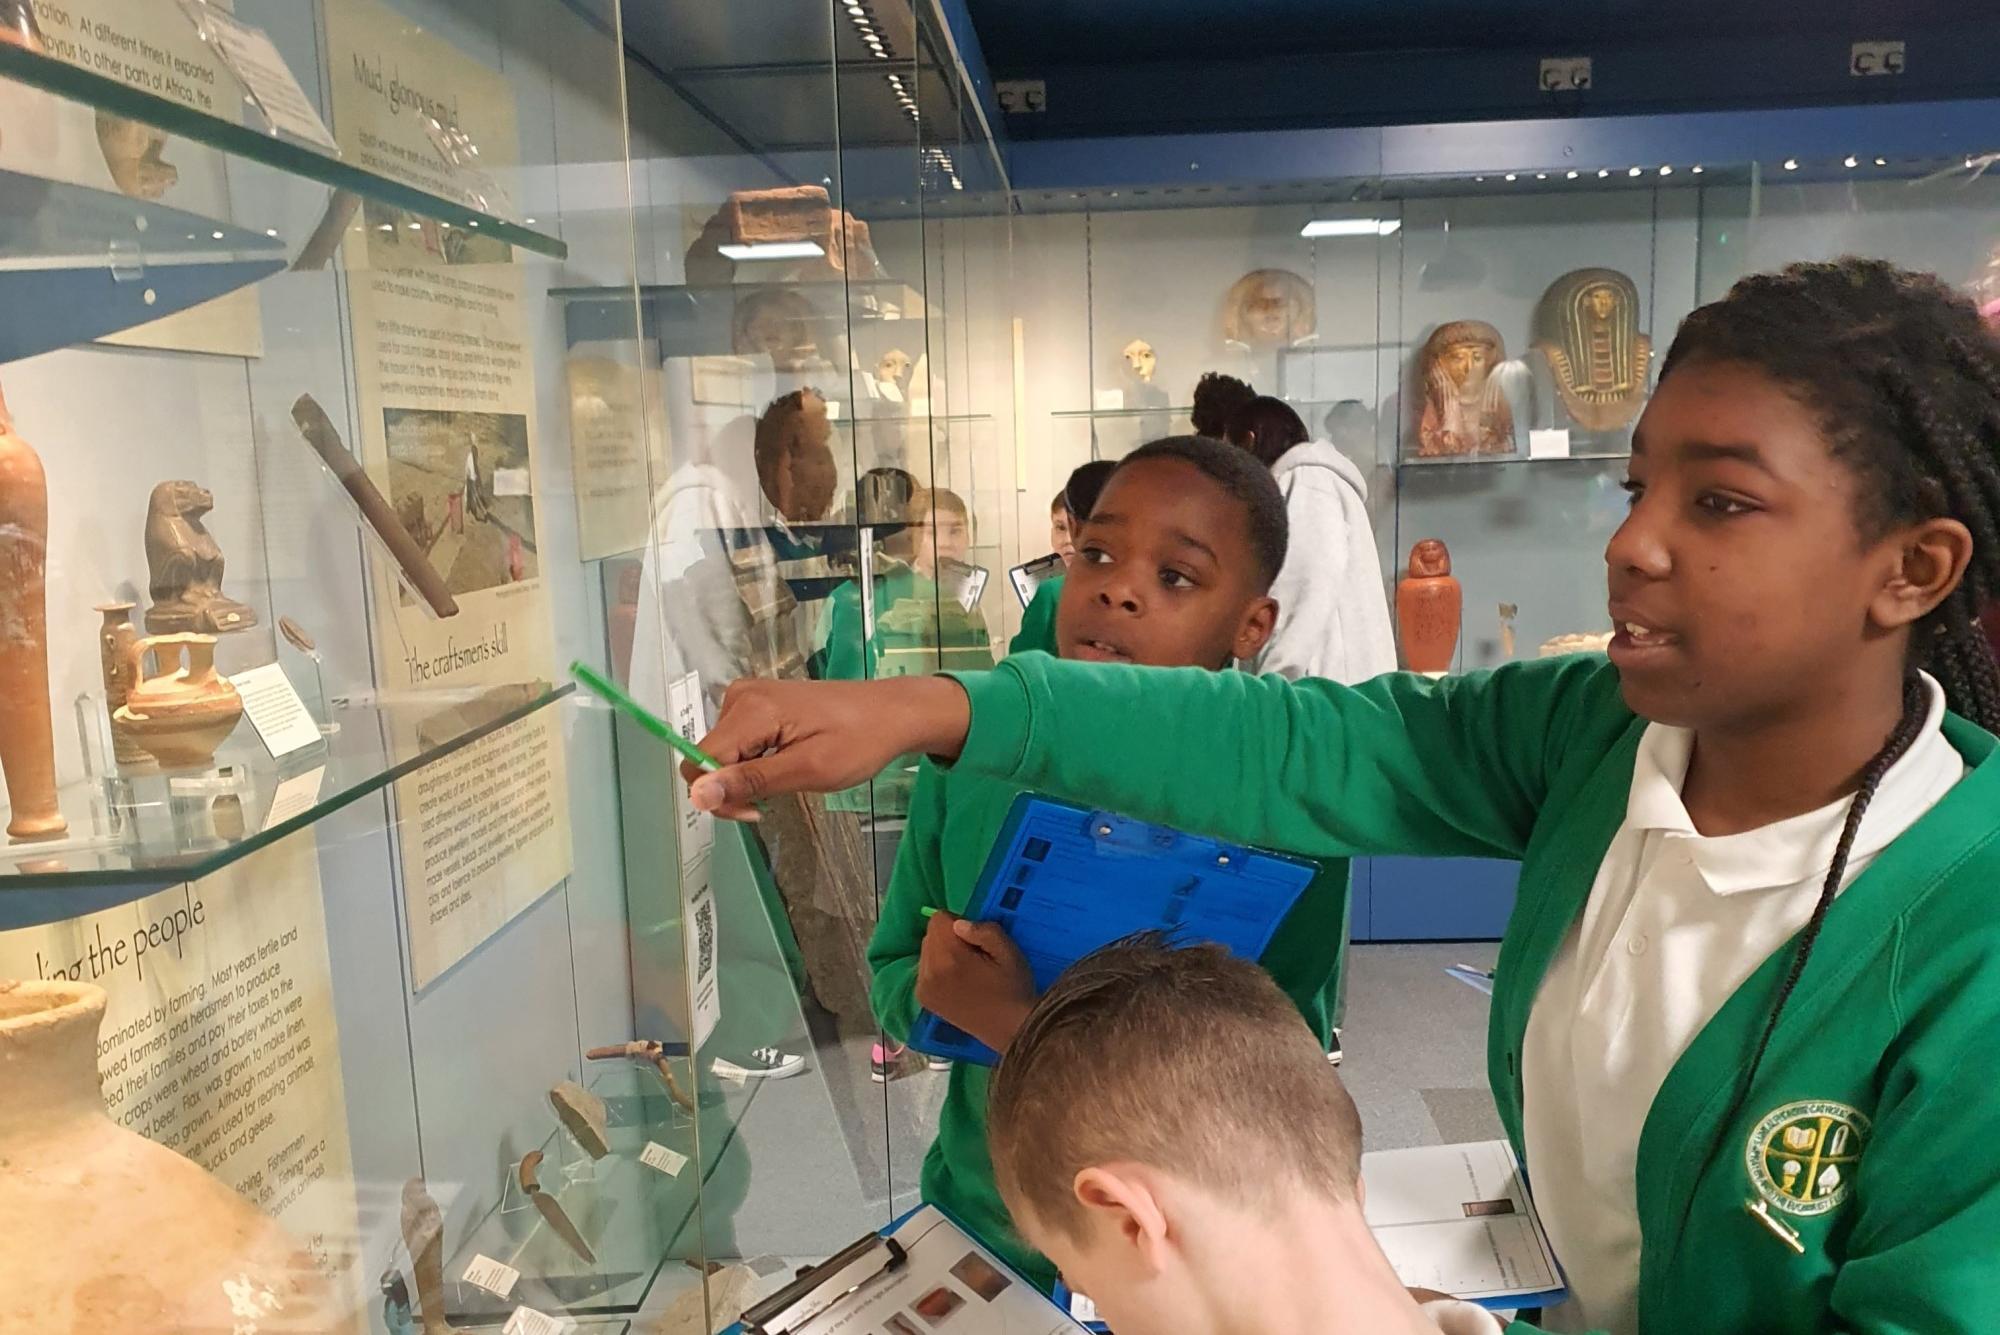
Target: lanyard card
[1065,880]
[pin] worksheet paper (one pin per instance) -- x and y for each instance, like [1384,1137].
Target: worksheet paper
[1457,1218]
[949,1283]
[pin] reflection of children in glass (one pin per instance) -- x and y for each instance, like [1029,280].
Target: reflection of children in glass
[1172,567]
[917,628]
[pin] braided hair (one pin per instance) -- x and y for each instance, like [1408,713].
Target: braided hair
[1905,381]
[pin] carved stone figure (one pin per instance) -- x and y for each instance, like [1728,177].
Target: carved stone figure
[1141,361]
[182,712]
[143,1239]
[1269,308]
[1587,328]
[1428,603]
[777,322]
[132,152]
[27,737]
[186,566]
[1465,409]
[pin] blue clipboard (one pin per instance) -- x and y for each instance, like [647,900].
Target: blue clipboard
[1065,880]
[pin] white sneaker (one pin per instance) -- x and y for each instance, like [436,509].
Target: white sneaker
[763,1064]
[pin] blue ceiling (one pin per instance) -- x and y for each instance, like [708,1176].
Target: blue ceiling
[1019,36]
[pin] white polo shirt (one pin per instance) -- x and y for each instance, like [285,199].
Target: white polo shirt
[1674,926]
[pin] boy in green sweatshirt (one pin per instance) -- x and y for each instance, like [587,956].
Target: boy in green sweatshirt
[1747,1010]
[1172,570]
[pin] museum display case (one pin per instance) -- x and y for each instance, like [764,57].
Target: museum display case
[1478,344]
[364,364]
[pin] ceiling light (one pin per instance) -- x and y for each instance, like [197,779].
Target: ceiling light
[774,250]
[880,54]
[1632,171]
[1852,161]
[1351,227]
[1697,169]
[1791,164]
[1572,176]
[1881,162]
[1541,176]
[1603,172]
[1512,177]
[1666,171]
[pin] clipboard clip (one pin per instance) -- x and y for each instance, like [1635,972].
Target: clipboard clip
[822,1288]
[1122,832]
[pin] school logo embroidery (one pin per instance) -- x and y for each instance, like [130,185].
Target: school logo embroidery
[1801,1157]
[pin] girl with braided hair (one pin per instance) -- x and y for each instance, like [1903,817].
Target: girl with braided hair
[1747,1011]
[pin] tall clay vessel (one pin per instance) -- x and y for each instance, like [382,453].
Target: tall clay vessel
[27,739]
[103,1232]
[1428,602]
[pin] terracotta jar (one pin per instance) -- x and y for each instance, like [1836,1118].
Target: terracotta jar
[1428,603]
[115,639]
[27,737]
[103,1232]
[180,714]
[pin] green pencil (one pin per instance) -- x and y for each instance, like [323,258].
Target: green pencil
[928,910]
[610,693]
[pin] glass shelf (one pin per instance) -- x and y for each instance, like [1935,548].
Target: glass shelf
[91,262]
[1504,460]
[638,1220]
[141,831]
[1114,413]
[702,319]
[297,159]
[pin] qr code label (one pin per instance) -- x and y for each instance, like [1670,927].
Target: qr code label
[704,940]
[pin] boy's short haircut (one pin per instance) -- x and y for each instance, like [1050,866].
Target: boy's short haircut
[1185,1059]
[1243,477]
[1059,503]
[1216,396]
[926,499]
[1086,483]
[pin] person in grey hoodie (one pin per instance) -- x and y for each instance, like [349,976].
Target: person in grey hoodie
[1333,610]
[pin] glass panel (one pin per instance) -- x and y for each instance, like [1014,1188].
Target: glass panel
[367,995]
[464,194]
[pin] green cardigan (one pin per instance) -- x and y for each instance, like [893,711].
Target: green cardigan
[1893,1031]
[1038,620]
[954,819]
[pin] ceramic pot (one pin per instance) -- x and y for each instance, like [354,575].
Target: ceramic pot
[115,639]
[142,1239]
[179,714]
[27,737]
[1428,603]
